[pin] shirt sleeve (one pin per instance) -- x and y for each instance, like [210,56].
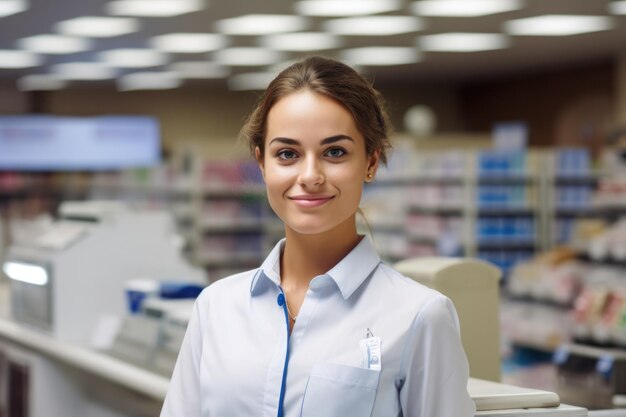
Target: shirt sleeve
[183,393]
[435,383]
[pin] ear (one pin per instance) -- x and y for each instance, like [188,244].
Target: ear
[260,160]
[372,166]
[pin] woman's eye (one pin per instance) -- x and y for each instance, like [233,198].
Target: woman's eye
[286,154]
[335,152]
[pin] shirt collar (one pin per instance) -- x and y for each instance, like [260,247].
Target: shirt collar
[348,274]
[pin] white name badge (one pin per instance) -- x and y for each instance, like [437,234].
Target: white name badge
[371,353]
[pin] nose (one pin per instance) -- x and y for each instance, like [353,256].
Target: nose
[311,173]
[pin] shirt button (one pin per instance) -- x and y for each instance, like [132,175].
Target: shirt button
[281,300]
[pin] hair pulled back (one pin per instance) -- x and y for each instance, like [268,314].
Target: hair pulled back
[332,79]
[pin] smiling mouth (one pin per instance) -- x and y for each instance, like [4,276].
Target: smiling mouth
[311,201]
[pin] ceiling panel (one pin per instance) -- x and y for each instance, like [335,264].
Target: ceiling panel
[524,52]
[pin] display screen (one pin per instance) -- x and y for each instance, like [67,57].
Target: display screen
[52,143]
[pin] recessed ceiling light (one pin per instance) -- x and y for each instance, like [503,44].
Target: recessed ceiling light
[557,25]
[378,56]
[189,42]
[261,24]
[36,82]
[153,8]
[250,81]
[617,7]
[464,8]
[98,27]
[462,42]
[301,41]
[162,80]
[346,7]
[10,58]
[374,25]
[200,69]
[243,56]
[54,44]
[9,7]
[84,71]
[133,58]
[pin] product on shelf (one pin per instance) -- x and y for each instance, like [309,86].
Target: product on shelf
[554,276]
[611,244]
[599,312]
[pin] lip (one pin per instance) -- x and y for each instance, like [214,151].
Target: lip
[309,201]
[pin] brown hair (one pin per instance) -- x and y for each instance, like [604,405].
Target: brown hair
[332,79]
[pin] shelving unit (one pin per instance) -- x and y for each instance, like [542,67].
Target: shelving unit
[219,207]
[495,205]
[460,204]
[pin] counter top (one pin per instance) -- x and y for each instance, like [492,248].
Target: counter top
[88,360]
[488,395]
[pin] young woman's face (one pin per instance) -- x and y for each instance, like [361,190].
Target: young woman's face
[314,162]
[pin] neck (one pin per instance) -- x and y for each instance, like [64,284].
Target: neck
[307,256]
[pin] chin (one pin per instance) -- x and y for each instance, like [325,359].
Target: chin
[317,226]
[310,229]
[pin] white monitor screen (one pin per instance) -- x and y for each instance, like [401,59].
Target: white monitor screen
[52,143]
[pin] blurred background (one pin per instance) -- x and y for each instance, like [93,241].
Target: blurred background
[509,147]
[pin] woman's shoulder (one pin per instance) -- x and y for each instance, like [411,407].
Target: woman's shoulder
[227,287]
[404,288]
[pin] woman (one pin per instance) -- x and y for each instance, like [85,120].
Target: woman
[322,328]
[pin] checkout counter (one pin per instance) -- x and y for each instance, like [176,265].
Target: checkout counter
[123,382]
[67,294]
[69,276]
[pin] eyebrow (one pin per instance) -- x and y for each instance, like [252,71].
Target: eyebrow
[326,141]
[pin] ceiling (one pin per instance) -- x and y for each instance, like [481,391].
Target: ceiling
[524,53]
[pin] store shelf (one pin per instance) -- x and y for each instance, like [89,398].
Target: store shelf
[442,211]
[234,190]
[513,179]
[506,244]
[415,179]
[506,211]
[217,225]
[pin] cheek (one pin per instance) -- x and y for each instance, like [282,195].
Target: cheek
[352,175]
[277,179]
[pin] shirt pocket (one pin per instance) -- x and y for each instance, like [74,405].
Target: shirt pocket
[338,391]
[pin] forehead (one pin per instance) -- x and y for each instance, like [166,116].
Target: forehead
[305,114]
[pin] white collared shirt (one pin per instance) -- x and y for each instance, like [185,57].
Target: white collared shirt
[238,358]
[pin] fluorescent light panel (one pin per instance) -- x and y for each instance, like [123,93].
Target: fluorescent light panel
[163,80]
[244,56]
[464,8]
[133,58]
[10,58]
[261,24]
[84,71]
[37,82]
[301,41]
[557,25]
[28,273]
[9,7]
[380,56]
[98,27]
[54,44]
[462,42]
[200,69]
[617,7]
[189,42]
[346,7]
[153,8]
[374,25]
